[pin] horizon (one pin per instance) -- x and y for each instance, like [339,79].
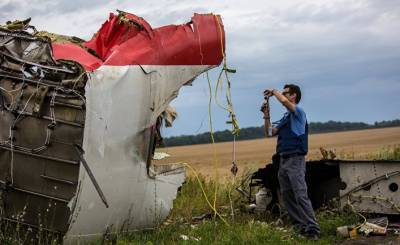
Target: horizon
[344,54]
[370,124]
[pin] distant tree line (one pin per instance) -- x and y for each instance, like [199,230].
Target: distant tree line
[258,132]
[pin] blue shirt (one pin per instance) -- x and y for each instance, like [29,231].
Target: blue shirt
[292,132]
[297,119]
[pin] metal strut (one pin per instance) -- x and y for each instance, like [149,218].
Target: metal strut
[80,151]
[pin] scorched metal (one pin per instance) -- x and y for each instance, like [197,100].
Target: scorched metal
[78,122]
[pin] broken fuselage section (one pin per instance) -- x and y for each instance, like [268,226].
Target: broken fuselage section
[369,186]
[78,120]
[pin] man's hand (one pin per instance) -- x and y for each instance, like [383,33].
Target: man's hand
[269,92]
[281,98]
[265,109]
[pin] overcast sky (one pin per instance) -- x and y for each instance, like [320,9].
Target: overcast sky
[344,54]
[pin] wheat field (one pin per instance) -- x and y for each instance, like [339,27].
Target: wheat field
[253,154]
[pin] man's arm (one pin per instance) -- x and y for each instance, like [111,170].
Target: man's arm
[268,129]
[281,98]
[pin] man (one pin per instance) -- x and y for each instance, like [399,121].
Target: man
[292,146]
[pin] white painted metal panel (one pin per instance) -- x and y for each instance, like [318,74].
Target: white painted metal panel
[122,102]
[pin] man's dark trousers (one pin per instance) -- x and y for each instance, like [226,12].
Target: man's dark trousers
[293,187]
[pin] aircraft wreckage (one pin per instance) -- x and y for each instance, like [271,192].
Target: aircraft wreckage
[367,186]
[79,121]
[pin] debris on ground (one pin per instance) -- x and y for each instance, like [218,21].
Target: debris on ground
[160,155]
[366,229]
[366,187]
[369,186]
[187,238]
[202,217]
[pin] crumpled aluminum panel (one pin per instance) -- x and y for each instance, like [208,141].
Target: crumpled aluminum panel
[117,147]
[381,195]
[108,106]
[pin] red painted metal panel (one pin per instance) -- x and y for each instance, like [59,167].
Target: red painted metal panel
[132,41]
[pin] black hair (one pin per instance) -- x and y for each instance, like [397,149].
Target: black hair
[294,89]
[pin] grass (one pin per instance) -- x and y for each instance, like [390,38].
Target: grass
[243,228]
[14,233]
[391,152]
[388,153]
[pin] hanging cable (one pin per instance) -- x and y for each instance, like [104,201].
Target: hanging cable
[233,120]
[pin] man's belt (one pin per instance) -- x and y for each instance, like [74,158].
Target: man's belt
[289,155]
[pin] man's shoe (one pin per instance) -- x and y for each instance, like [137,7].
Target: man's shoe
[301,231]
[313,236]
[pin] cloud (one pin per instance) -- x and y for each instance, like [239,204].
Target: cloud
[344,53]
